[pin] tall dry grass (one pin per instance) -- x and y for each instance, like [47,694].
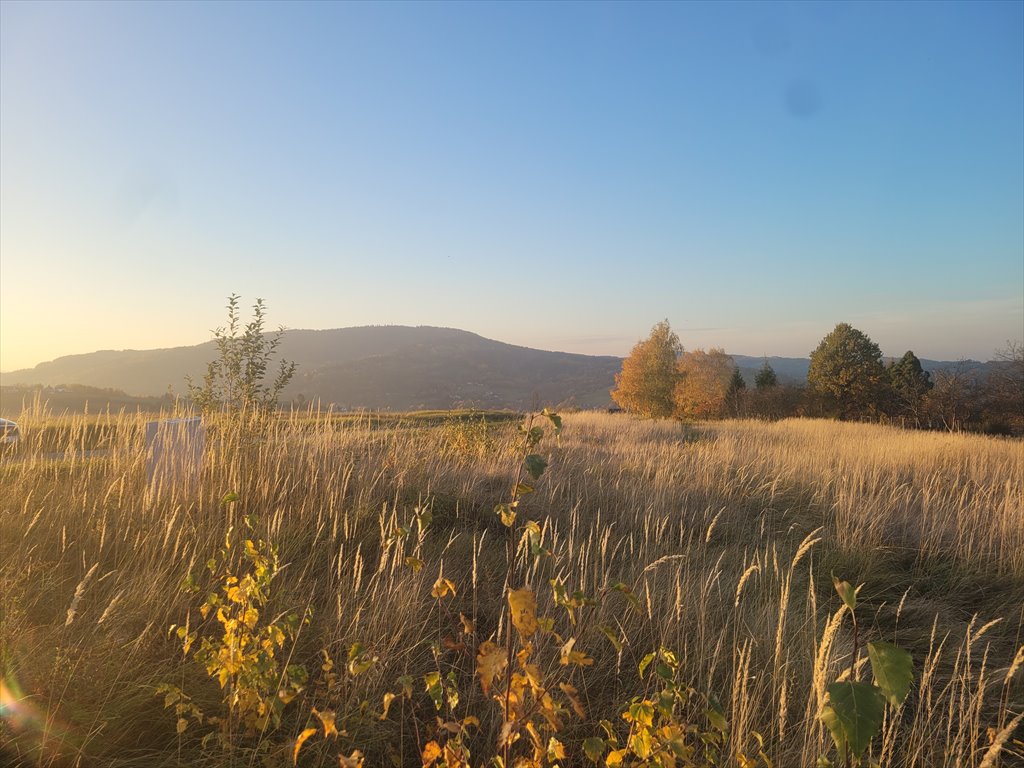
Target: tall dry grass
[728,533]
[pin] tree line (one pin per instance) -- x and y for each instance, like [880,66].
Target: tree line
[847,379]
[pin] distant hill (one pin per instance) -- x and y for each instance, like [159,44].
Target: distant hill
[388,367]
[790,370]
[74,398]
[384,367]
[793,370]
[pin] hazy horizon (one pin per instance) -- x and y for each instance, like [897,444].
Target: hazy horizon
[754,172]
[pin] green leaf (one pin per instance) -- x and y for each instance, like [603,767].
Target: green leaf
[560,594]
[894,670]
[853,715]
[405,683]
[593,748]
[230,498]
[535,465]
[846,592]
[612,637]
[555,419]
[424,518]
[358,660]
[715,714]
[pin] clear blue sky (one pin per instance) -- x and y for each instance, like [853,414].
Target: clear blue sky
[558,175]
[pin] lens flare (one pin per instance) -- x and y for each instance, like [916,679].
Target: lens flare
[25,728]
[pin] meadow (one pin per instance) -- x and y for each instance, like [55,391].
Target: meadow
[379,569]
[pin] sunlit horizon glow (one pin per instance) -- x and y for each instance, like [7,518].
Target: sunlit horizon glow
[560,176]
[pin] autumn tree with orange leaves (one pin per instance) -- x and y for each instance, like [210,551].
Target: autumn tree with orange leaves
[702,389]
[646,384]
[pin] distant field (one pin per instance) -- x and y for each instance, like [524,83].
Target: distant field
[724,536]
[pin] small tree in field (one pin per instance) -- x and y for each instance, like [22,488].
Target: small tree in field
[237,380]
[1003,390]
[846,369]
[704,386]
[909,383]
[648,377]
[950,403]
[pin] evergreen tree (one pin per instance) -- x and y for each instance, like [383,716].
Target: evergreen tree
[647,381]
[909,383]
[734,397]
[736,383]
[766,378]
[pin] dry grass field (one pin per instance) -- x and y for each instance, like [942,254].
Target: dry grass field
[726,533]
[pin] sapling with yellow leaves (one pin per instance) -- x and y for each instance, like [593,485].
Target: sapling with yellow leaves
[238,646]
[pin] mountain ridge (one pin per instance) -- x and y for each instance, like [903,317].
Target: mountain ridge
[398,367]
[388,367]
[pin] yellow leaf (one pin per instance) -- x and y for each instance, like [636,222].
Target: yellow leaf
[431,752]
[556,751]
[507,513]
[569,656]
[299,742]
[577,706]
[250,617]
[442,587]
[534,677]
[361,664]
[355,760]
[509,733]
[534,734]
[327,721]
[286,696]
[388,698]
[490,663]
[614,758]
[182,724]
[524,610]
[640,713]
[467,624]
[641,742]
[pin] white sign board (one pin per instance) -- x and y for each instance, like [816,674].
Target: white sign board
[174,452]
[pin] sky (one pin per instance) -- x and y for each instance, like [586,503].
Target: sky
[560,175]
